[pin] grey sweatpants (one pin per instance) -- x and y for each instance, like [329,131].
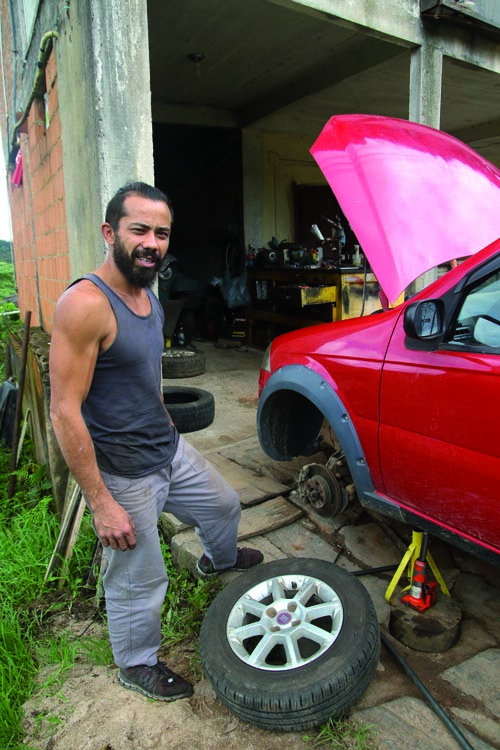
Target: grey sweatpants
[135,581]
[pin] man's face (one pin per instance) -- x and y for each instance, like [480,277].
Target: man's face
[142,239]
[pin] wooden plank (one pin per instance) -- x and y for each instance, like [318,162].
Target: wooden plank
[273,514]
[268,516]
[72,537]
[72,510]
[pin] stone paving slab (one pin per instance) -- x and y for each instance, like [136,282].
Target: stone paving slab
[401,723]
[481,600]
[479,677]
[249,455]
[377,588]
[404,723]
[297,540]
[186,550]
[260,519]
[410,724]
[252,487]
[370,546]
[482,726]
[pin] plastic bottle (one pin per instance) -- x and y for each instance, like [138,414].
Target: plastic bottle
[356,258]
[250,256]
[181,339]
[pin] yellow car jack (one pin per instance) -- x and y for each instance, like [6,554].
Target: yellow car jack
[421,594]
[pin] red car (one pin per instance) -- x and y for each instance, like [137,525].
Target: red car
[408,402]
[412,394]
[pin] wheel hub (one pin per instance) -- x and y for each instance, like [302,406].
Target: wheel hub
[320,488]
[282,619]
[284,622]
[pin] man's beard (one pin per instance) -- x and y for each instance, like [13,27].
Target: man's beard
[137,275]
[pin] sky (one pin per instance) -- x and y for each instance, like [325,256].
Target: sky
[5,230]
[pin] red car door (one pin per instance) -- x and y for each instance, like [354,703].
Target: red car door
[440,419]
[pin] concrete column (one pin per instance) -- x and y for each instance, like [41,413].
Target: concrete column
[105,105]
[123,93]
[426,73]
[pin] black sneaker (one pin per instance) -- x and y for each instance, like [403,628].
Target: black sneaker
[157,682]
[245,559]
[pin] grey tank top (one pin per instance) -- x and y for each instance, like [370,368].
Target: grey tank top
[124,410]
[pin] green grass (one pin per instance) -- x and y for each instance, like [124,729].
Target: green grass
[28,638]
[28,532]
[7,280]
[7,322]
[185,604]
[342,734]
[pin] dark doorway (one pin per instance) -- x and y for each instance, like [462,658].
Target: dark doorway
[200,170]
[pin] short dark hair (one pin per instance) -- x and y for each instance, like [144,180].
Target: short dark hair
[115,208]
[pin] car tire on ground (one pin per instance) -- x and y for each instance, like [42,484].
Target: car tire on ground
[191,409]
[182,363]
[291,643]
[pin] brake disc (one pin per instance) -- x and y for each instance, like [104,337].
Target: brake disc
[319,487]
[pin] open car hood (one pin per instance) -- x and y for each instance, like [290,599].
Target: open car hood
[414,196]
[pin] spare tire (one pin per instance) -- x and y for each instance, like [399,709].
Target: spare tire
[182,363]
[291,643]
[191,409]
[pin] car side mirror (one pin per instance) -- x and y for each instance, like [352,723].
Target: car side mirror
[424,319]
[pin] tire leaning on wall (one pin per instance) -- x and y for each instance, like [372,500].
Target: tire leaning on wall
[191,409]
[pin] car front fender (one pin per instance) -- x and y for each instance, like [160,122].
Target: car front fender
[291,410]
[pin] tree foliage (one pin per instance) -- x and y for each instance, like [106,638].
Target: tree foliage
[6,251]
[7,281]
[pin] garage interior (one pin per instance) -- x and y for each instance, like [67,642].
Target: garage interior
[226,76]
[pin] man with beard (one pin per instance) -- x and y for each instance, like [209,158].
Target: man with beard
[120,444]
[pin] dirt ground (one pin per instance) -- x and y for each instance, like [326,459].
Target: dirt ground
[91,711]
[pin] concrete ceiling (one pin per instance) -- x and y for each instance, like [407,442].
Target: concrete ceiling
[288,70]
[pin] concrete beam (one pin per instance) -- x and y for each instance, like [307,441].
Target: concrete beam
[192,114]
[401,20]
[481,132]
[349,59]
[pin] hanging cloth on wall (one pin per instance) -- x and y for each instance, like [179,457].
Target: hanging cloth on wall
[17,176]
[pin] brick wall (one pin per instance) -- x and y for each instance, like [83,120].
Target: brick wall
[38,210]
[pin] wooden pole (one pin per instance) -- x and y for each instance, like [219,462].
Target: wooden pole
[19,405]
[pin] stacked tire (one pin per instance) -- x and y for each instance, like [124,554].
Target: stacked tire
[177,362]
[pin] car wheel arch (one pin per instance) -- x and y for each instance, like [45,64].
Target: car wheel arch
[323,401]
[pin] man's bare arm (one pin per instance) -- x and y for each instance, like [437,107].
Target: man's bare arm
[83,321]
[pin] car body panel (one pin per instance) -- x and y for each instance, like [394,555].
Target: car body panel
[351,372]
[441,408]
[417,411]
[412,195]
[298,379]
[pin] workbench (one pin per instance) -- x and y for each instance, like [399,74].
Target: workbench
[285,299]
